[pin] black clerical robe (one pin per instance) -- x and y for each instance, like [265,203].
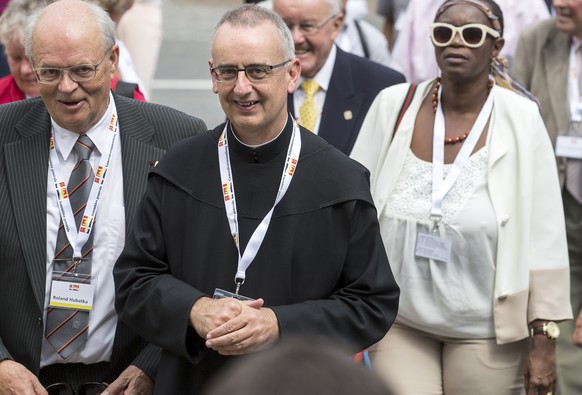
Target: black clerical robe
[322,267]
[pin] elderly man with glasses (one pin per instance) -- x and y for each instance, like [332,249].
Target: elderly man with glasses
[255,232]
[335,88]
[74,164]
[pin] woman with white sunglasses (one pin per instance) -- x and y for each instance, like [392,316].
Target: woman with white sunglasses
[466,187]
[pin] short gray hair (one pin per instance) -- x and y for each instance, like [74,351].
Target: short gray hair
[13,19]
[101,17]
[335,6]
[253,15]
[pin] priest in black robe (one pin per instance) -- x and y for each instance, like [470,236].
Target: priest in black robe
[301,205]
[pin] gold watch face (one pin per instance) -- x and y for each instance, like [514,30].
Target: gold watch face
[552,330]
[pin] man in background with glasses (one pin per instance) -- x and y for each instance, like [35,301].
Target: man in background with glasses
[74,164]
[255,232]
[336,88]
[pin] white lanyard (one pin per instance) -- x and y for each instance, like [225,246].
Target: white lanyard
[574,88]
[79,237]
[441,187]
[227,181]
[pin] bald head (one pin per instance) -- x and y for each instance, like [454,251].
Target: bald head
[70,21]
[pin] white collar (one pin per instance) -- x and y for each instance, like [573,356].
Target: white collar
[323,76]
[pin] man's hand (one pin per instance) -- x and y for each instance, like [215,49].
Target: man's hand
[540,377]
[208,314]
[132,381]
[254,329]
[577,335]
[16,379]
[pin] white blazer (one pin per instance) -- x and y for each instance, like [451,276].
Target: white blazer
[532,273]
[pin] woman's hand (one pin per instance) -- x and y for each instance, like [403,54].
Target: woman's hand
[540,376]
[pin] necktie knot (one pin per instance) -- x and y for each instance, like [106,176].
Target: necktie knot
[84,146]
[310,87]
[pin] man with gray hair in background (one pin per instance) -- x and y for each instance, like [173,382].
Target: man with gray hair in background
[336,88]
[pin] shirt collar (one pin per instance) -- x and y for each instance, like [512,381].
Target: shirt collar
[323,76]
[265,152]
[65,140]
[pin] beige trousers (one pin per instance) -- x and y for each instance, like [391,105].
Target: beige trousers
[418,363]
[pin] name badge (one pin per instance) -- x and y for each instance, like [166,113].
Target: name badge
[71,295]
[569,144]
[433,247]
[221,293]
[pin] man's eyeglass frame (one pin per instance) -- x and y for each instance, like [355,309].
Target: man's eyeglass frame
[218,75]
[72,76]
[309,29]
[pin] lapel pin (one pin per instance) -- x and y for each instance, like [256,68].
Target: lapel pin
[153,163]
[348,115]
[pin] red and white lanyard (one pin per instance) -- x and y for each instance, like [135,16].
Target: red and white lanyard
[258,235]
[78,237]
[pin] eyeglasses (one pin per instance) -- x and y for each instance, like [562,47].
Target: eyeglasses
[254,72]
[472,35]
[78,73]
[309,29]
[85,389]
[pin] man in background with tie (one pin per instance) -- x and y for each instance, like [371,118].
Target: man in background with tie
[548,62]
[336,88]
[73,167]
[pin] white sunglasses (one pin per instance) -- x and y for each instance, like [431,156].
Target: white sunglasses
[472,35]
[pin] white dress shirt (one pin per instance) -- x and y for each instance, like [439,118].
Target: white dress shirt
[108,240]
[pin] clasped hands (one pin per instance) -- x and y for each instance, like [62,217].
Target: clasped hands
[233,327]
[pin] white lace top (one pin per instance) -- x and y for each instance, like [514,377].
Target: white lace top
[450,299]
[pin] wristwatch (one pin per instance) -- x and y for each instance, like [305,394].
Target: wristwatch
[549,329]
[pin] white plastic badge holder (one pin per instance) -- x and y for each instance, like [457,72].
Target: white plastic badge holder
[221,293]
[569,143]
[69,291]
[432,246]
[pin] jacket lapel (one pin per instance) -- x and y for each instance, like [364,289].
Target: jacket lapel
[342,105]
[137,155]
[27,182]
[556,61]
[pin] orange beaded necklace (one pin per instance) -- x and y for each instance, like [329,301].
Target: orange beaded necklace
[435,102]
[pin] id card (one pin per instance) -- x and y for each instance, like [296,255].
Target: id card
[433,247]
[71,295]
[221,293]
[569,144]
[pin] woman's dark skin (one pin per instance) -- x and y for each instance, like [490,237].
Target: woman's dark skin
[465,77]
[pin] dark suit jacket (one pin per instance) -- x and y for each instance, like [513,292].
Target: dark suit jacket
[146,131]
[354,84]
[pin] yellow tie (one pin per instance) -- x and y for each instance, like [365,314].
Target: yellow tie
[308,110]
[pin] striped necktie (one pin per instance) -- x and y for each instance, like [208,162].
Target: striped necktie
[308,110]
[66,329]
